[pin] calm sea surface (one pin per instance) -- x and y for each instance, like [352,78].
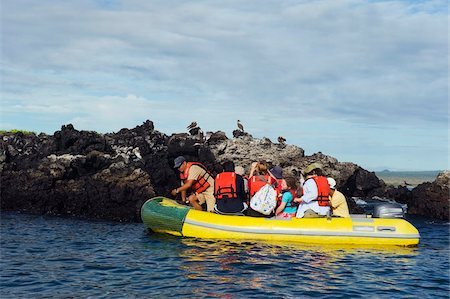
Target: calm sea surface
[413,178]
[52,257]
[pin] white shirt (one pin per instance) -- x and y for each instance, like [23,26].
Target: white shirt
[309,200]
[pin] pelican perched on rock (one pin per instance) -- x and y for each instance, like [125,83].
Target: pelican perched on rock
[192,125]
[240,126]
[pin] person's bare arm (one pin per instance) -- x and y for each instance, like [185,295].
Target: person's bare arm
[280,208]
[183,189]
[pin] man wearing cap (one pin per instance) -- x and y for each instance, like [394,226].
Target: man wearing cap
[315,199]
[196,177]
[337,200]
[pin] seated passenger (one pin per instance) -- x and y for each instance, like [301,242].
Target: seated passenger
[337,200]
[287,208]
[229,191]
[277,173]
[259,176]
[314,201]
[241,171]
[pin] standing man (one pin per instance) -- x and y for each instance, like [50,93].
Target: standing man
[315,200]
[338,202]
[196,177]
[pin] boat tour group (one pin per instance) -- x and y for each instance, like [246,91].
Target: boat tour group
[265,205]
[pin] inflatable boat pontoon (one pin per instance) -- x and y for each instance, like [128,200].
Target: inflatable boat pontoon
[164,215]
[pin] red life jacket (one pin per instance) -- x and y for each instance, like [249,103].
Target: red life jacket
[255,183]
[294,196]
[201,182]
[279,190]
[279,187]
[290,204]
[225,185]
[323,190]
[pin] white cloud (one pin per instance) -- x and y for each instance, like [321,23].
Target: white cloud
[104,113]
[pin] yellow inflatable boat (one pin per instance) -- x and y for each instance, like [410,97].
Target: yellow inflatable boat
[164,215]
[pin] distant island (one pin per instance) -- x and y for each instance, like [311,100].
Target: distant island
[412,178]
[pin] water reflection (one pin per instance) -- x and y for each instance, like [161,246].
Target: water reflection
[271,267]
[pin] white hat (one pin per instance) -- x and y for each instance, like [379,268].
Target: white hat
[332,183]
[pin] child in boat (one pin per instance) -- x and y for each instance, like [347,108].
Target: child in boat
[287,208]
[259,177]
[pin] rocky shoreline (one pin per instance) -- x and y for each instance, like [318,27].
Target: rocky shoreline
[109,176]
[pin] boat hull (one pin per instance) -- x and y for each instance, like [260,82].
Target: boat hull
[166,216]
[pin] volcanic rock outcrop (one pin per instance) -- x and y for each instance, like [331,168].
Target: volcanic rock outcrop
[80,173]
[430,199]
[109,176]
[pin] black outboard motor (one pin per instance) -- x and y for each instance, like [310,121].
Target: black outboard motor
[388,210]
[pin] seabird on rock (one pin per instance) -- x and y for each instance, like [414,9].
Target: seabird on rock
[281,140]
[192,125]
[240,126]
[200,138]
[200,135]
[194,131]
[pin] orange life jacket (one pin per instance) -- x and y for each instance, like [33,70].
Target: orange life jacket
[201,182]
[323,190]
[225,185]
[255,183]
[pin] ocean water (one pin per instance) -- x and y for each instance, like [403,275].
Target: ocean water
[53,257]
[413,178]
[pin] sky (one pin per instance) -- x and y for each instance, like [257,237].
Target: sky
[362,81]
